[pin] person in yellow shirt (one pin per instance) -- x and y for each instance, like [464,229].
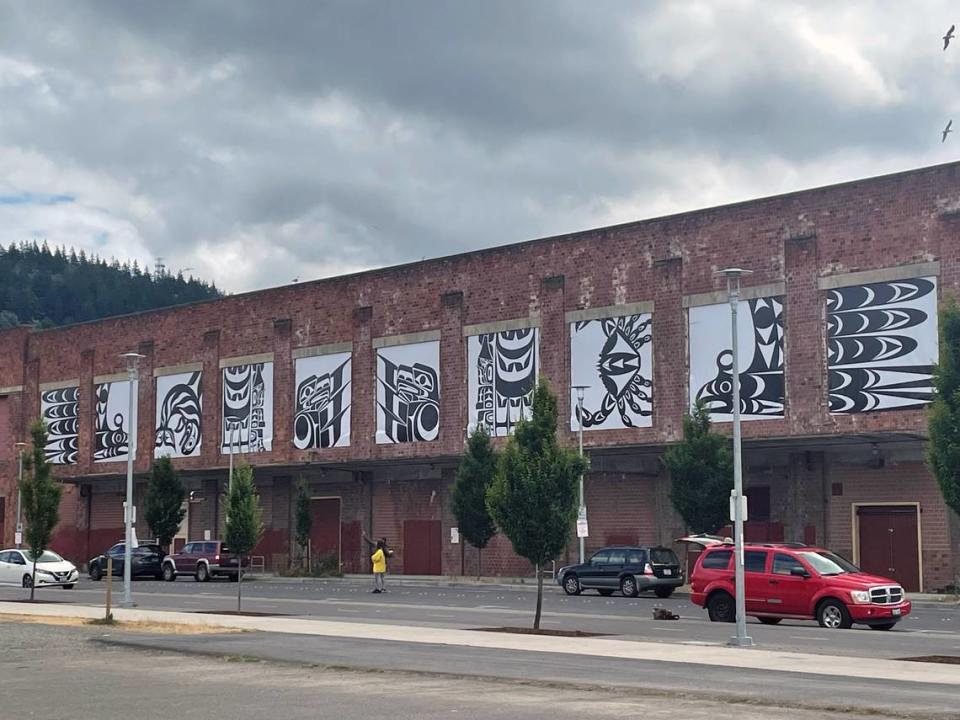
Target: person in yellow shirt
[379,560]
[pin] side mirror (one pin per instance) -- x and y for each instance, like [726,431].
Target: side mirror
[799,572]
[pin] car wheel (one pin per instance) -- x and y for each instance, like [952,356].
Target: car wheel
[628,586]
[95,572]
[663,592]
[769,620]
[721,608]
[883,626]
[833,615]
[69,587]
[605,593]
[168,574]
[571,585]
[203,574]
[27,581]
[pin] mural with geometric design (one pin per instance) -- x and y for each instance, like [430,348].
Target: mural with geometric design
[501,376]
[247,408]
[408,392]
[59,411]
[112,421]
[179,415]
[322,402]
[881,345]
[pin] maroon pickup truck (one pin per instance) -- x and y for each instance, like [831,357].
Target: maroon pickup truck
[204,560]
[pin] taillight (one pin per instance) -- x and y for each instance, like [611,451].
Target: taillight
[647,569]
[216,558]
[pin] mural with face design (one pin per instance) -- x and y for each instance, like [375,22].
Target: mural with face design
[408,392]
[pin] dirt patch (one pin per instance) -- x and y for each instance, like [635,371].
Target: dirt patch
[541,631]
[940,659]
[139,626]
[242,613]
[28,601]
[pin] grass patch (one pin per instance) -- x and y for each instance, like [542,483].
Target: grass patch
[137,626]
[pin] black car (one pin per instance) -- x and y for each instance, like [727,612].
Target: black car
[627,568]
[146,559]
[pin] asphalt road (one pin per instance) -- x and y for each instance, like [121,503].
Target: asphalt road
[54,672]
[929,630]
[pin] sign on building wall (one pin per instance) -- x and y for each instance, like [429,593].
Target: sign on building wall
[247,408]
[179,415]
[881,345]
[760,356]
[58,410]
[112,420]
[322,401]
[408,392]
[501,376]
[613,357]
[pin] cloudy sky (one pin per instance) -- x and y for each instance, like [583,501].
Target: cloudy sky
[256,142]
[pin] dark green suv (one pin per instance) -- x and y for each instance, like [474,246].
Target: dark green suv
[627,568]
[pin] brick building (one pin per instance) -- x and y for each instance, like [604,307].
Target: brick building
[364,386]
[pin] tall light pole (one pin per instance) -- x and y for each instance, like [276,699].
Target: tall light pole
[19,530]
[582,509]
[741,639]
[133,362]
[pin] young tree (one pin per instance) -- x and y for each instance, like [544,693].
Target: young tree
[164,509]
[304,520]
[469,500]
[701,473]
[943,453]
[533,498]
[244,519]
[40,498]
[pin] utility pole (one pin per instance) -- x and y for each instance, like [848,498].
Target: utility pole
[741,639]
[133,362]
[582,509]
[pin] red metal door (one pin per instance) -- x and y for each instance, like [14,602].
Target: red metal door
[325,529]
[888,543]
[421,547]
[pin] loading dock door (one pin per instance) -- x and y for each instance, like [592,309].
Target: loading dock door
[421,547]
[889,544]
[325,529]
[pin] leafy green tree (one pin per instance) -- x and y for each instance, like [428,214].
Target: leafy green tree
[943,453]
[163,503]
[533,498]
[304,520]
[244,519]
[701,473]
[469,495]
[40,498]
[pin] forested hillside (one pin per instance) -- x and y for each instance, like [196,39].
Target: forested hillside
[46,288]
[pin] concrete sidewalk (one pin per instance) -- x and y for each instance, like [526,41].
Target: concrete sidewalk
[695,654]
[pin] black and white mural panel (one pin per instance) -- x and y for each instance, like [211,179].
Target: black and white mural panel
[882,344]
[112,420]
[613,357]
[179,415]
[322,401]
[502,372]
[408,393]
[59,412]
[247,408]
[760,351]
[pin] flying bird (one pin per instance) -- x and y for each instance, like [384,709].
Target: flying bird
[948,37]
[946,131]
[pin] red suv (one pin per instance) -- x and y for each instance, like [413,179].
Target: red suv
[795,581]
[204,560]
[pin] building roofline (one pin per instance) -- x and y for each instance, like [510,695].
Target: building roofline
[481,252]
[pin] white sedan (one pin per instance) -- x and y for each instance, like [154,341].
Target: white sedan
[16,568]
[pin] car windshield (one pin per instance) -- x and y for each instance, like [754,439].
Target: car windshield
[45,556]
[828,563]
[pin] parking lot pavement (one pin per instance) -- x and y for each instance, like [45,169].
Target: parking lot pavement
[929,630]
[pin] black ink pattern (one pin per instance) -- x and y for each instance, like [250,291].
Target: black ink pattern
[180,413]
[111,440]
[321,409]
[59,413]
[619,366]
[411,407]
[762,383]
[507,375]
[872,364]
[244,414]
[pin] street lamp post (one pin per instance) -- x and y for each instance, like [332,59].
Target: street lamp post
[582,509]
[133,361]
[741,639]
[19,529]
